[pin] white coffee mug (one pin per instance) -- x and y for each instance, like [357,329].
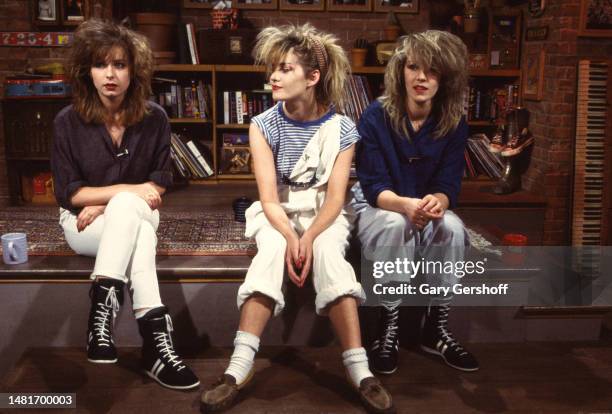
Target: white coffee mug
[14,248]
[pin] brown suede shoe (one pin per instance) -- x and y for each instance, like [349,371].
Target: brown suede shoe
[375,397]
[222,394]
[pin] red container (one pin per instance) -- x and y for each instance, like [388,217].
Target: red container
[514,253]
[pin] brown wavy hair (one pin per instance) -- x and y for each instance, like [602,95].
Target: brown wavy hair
[436,51]
[93,41]
[273,44]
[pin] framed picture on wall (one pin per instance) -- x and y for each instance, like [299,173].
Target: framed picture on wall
[349,5]
[398,6]
[199,4]
[256,4]
[316,5]
[533,75]
[595,18]
[74,12]
[45,12]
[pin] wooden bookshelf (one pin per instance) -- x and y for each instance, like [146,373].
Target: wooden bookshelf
[189,121]
[496,73]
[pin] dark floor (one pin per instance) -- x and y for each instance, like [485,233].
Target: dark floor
[517,378]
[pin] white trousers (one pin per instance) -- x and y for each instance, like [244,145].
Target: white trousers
[333,276]
[441,239]
[124,243]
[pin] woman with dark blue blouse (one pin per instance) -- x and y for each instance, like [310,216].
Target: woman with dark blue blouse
[111,166]
[410,163]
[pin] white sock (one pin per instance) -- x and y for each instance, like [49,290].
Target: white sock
[356,363]
[246,346]
[142,312]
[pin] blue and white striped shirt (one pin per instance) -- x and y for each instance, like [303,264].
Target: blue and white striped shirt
[288,138]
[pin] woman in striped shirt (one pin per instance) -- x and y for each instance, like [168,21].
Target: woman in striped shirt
[302,151]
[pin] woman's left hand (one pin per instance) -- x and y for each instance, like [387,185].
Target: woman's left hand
[87,216]
[431,206]
[305,257]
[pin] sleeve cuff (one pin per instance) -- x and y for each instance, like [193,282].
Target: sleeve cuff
[162,178]
[372,195]
[71,188]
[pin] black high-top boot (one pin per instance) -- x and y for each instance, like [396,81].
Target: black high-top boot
[438,340]
[385,349]
[106,297]
[159,359]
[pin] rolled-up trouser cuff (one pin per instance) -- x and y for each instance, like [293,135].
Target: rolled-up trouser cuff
[110,275]
[331,293]
[246,291]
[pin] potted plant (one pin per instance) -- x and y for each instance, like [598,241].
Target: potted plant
[393,28]
[359,52]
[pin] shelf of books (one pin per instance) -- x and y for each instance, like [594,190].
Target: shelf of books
[210,142]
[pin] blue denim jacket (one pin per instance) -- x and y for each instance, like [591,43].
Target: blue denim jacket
[413,167]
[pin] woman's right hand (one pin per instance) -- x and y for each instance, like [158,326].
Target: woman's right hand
[149,194]
[87,216]
[292,257]
[415,214]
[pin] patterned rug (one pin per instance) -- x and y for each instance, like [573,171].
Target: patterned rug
[179,232]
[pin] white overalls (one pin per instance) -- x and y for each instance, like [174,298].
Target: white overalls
[333,276]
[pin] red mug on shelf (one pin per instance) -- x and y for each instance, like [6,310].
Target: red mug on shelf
[515,251]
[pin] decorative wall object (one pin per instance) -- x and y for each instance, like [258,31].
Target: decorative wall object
[199,4]
[35,39]
[349,5]
[538,33]
[314,5]
[398,6]
[533,75]
[536,7]
[74,12]
[45,12]
[595,18]
[256,4]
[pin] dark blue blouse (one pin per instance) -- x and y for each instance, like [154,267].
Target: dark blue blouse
[84,154]
[412,167]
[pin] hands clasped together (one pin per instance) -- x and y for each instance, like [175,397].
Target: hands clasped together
[299,257]
[421,211]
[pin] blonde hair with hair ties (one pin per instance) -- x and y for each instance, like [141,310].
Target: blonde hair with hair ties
[442,53]
[315,50]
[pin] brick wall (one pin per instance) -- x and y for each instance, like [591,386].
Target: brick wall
[347,26]
[553,118]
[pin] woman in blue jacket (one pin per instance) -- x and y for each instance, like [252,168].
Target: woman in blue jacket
[410,164]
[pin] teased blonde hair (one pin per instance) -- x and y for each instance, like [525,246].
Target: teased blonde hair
[93,41]
[273,44]
[436,51]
